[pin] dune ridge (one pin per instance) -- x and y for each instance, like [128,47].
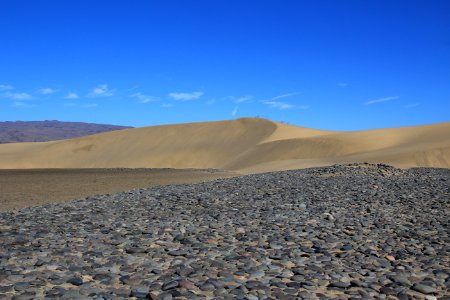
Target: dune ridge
[247,145]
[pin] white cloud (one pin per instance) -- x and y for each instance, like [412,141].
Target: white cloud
[17,96]
[21,104]
[46,91]
[390,98]
[90,105]
[411,105]
[244,99]
[286,95]
[144,98]
[133,88]
[241,99]
[72,96]
[342,84]
[186,96]
[87,105]
[279,105]
[6,87]
[283,105]
[101,91]
[167,105]
[235,111]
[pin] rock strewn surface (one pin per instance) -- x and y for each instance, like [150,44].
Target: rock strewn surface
[356,231]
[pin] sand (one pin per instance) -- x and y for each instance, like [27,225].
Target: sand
[249,145]
[88,165]
[23,188]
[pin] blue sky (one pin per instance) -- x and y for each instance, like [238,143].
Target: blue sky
[342,65]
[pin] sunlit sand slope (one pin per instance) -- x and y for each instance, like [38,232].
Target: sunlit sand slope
[246,145]
[195,145]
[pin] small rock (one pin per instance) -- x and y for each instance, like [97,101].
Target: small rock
[390,258]
[207,287]
[170,285]
[340,284]
[186,284]
[139,292]
[400,279]
[424,288]
[75,281]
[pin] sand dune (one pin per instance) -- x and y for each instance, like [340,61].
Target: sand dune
[246,145]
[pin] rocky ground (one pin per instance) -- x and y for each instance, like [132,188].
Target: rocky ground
[356,231]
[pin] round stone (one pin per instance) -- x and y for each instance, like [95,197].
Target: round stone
[75,281]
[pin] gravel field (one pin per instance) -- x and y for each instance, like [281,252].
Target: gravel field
[355,231]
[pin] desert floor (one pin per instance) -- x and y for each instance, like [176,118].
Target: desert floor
[23,188]
[359,231]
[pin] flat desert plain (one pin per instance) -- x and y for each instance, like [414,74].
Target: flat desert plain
[22,188]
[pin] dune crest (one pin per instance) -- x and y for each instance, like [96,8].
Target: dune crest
[247,145]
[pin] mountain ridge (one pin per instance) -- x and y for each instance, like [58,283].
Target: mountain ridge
[49,130]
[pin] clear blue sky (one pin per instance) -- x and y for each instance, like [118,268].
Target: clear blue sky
[344,65]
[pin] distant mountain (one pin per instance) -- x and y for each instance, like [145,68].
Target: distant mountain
[42,131]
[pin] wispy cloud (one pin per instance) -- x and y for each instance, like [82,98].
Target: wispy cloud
[90,105]
[185,96]
[240,99]
[274,103]
[286,95]
[235,111]
[72,96]
[411,105]
[101,91]
[279,105]
[6,87]
[79,105]
[144,98]
[133,88]
[167,105]
[17,96]
[342,84]
[385,99]
[211,102]
[21,104]
[46,91]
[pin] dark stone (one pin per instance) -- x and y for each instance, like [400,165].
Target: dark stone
[75,281]
[170,285]
[140,292]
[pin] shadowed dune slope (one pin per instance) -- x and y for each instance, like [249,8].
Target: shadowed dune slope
[194,145]
[246,145]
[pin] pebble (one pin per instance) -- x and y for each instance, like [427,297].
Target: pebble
[345,231]
[424,288]
[170,285]
[75,281]
[207,287]
[402,280]
[140,292]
